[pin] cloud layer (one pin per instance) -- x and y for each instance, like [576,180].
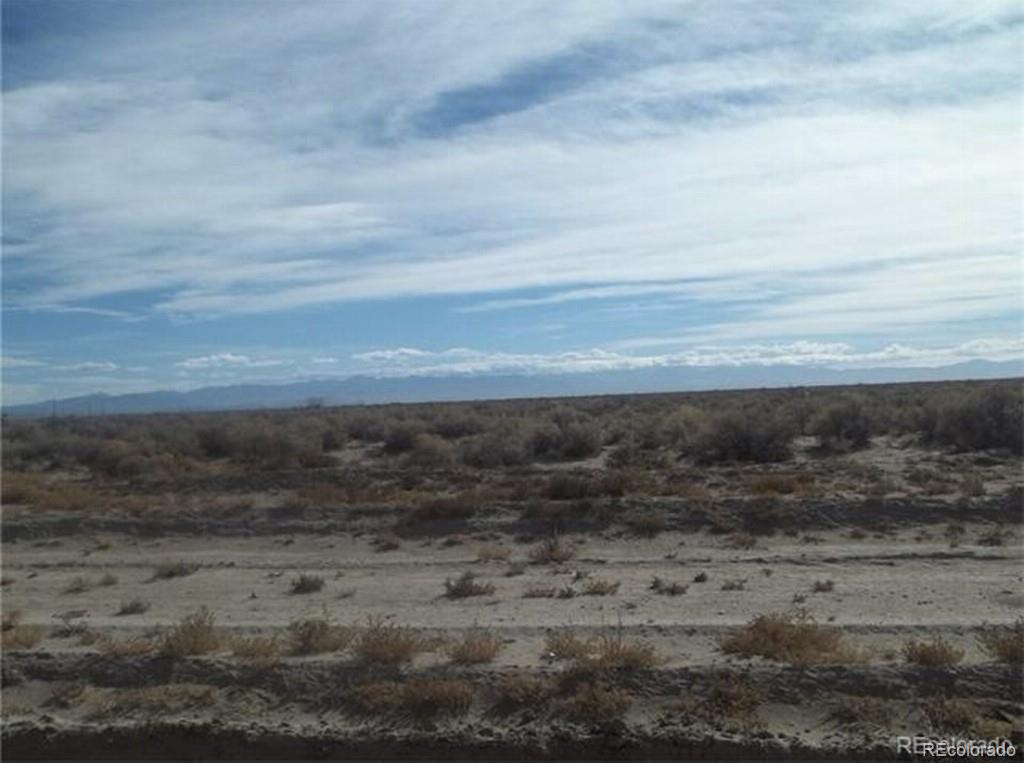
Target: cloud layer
[684,175]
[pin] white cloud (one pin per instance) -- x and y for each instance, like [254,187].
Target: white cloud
[225,360]
[463,360]
[89,365]
[8,361]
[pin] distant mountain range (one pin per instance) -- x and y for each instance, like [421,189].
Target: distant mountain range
[355,390]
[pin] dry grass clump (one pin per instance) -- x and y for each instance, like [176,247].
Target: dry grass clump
[260,651]
[515,569]
[823,586]
[1005,644]
[614,652]
[419,698]
[317,635]
[387,542]
[108,579]
[10,619]
[700,577]
[951,715]
[596,705]
[126,647]
[735,584]
[791,637]
[80,585]
[540,592]
[374,698]
[449,507]
[520,690]
[431,697]
[156,701]
[599,587]
[307,584]
[133,607]
[476,647]
[466,585]
[564,644]
[935,654]
[666,588]
[552,551]
[195,634]
[648,525]
[168,570]
[493,553]
[381,643]
[15,637]
[740,541]
[728,698]
[861,711]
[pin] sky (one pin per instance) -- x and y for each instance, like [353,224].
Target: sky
[201,193]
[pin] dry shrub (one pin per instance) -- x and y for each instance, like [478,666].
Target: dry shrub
[261,651]
[493,553]
[195,634]
[449,507]
[823,586]
[108,580]
[564,644]
[938,653]
[951,715]
[515,569]
[465,585]
[791,637]
[553,551]
[375,698]
[540,592]
[740,541]
[700,577]
[597,706]
[424,698]
[10,619]
[133,607]
[747,435]
[156,701]
[381,643]
[432,452]
[477,646]
[21,636]
[668,589]
[599,587]
[861,711]
[80,585]
[614,652]
[317,635]
[521,690]
[387,542]
[126,647]
[168,570]
[307,584]
[1005,644]
[729,697]
[735,584]
[649,524]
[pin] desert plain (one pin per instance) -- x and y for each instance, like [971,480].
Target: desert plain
[787,574]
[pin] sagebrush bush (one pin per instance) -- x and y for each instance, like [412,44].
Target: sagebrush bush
[791,637]
[1004,643]
[749,435]
[195,634]
[842,425]
[938,653]
[989,417]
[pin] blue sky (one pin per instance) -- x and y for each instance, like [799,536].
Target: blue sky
[202,193]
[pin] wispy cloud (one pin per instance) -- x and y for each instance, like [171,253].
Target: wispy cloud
[225,360]
[645,175]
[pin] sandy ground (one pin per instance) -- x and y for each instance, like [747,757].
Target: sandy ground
[902,564]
